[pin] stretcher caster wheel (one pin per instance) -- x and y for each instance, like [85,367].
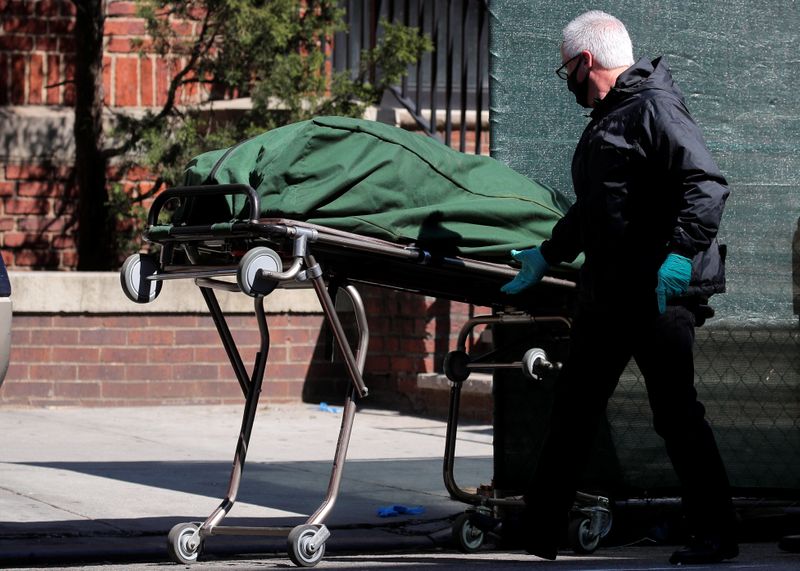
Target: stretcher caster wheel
[133,277]
[455,366]
[301,550]
[249,277]
[183,544]
[536,366]
[581,538]
[467,537]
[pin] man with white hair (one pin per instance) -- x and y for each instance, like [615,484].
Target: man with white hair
[649,199]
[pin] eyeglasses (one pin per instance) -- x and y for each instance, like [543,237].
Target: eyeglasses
[562,71]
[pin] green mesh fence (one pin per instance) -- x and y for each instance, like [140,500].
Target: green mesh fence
[749,381]
[734,62]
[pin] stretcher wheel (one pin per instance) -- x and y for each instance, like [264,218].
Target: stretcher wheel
[467,537]
[179,545]
[455,366]
[529,362]
[133,277]
[300,550]
[581,538]
[255,260]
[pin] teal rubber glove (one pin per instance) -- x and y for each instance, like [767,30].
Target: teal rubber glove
[673,279]
[533,269]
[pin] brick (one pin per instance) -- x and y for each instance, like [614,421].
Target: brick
[63,242]
[38,172]
[30,354]
[49,8]
[34,321]
[209,355]
[126,390]
[124,27]
[61,25]
[121,8]
[19,336]
[26,205]
[300,353]
[38,224]
[123,355]
[54,336]
[163,78]
[54,372]
[46,43]
[75,354]
[117,45]
[7,188]
[14,239]
[38,190]
[182,27]
[77,390]
[24,25]
[287,370]
[16,43]
[23,390]
[126,82]
[102,372]
[18,80]
[17,7]
[169,355]
[142,372]
[149,337]
[53,76]
[147,82]
[195,337]
[192,371]
[171,390]
[119,321]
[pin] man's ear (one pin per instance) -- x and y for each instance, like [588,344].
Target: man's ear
[588,58]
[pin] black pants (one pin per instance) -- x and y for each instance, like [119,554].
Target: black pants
[602,344]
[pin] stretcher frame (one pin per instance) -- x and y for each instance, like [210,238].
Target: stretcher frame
[209,260]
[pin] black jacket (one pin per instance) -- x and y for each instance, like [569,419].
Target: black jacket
[645,186]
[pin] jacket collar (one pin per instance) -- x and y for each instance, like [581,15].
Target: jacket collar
[642,75]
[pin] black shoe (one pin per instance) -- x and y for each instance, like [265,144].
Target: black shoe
[703,551]
[541,549]
[790,543]
[512,534]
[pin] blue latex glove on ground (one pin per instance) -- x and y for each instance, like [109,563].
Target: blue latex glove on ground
[389,511]
[673,279]
[533,269]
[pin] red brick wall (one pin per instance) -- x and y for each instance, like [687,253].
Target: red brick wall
[37,56]
[154,359]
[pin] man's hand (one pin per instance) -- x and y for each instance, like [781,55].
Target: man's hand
[673,279]
[533,268]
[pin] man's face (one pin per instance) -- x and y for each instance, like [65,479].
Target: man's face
[575,71]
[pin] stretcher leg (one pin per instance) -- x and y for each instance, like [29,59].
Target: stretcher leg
[591,515]
[185,543]
[349,412]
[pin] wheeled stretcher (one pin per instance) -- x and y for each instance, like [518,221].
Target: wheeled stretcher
[255,255]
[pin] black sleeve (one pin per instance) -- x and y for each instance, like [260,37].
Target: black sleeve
[679,146]
[564,245]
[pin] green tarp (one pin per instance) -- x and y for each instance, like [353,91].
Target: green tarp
[376,180]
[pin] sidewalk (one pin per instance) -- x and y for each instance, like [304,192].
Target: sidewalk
[81,486]
[108,484]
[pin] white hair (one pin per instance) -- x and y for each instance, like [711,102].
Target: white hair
[601,34]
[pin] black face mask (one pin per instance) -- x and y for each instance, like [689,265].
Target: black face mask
[579,89]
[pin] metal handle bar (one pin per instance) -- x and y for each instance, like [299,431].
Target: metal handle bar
[206,190]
